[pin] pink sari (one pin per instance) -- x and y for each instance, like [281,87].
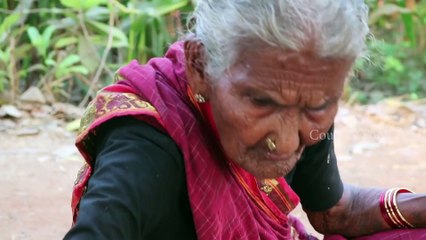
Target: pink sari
[225,200]
[397,234]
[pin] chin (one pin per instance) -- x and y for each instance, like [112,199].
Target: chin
[262,169]
[267,173]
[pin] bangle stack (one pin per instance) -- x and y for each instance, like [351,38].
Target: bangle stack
[390,211]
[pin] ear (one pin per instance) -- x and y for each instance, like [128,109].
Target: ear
[195,67]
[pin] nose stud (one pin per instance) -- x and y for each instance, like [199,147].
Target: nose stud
[270,144]
[200,98]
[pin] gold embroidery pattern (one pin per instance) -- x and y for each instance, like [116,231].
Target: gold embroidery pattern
[81,173]
[110,102]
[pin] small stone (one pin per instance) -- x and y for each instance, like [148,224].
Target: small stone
[2,113]
[27,132]
[43,159]
[33,94]
[363,147]
[62,169]
[344,158]
[67,111]
[7,123]
[26,106]
[42,111]
[421,123]
[5,97]
[12,111]
[66,153]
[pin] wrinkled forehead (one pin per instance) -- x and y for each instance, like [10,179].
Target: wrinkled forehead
[266,64]
[291,60]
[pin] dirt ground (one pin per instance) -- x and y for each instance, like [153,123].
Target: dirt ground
[381,145]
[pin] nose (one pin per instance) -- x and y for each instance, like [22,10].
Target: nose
[286,134]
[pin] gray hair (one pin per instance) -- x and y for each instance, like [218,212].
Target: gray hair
[335,28]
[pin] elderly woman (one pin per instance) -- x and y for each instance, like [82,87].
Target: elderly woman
[220,138]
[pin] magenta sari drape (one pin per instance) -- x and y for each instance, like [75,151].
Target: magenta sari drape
[225,200]
[397,234]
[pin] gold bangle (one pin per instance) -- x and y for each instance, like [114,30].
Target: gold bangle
[395,193]
[389,210]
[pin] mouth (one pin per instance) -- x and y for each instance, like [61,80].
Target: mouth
[266,164]
[286,158]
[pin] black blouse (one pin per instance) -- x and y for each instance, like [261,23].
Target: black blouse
[138,188]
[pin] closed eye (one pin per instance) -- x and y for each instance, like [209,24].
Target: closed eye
[318,108]
[262,102]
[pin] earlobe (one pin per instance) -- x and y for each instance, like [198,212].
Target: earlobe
[195,66]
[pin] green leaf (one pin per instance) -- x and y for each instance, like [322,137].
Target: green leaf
[117,34]
[392,63]
[47,34]
[97,14]
[73,126]
[89,57]
[100,40]
[69,61]
[8,22]
[410,32]
[39,67]
[124,9]
[23,73]
[36,40]
[64,23]
[79,69]
[66,67]
[387,9]
[2,80]
[34,35]
[22,50]
[160,8]
[63,42]
[50,62]
[82,4]
[40,42]
[170,6]
[137,39]
[5,56]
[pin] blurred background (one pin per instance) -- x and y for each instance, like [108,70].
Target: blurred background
[55,55]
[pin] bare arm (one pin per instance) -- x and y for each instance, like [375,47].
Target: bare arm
[358,213]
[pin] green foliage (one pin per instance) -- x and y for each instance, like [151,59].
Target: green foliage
[40,41]
[392,69]
[71,48]
[66,46]
[82,4]
[8,22]
[4,59]
[396,62]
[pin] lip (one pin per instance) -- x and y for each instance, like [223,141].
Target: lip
[271,156]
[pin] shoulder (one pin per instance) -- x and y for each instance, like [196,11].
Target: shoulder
[134,135]
[131,151]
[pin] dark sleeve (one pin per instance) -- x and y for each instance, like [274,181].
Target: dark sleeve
[316,178]
[134,164]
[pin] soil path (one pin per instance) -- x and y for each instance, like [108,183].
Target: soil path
[37,172]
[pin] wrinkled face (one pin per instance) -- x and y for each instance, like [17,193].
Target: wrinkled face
[269,93]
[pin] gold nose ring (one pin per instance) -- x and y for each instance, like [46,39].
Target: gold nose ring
[271,144]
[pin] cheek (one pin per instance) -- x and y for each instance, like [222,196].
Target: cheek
[238,127]
[227,116]
[314,128]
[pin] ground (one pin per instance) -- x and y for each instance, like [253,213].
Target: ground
[381,145]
